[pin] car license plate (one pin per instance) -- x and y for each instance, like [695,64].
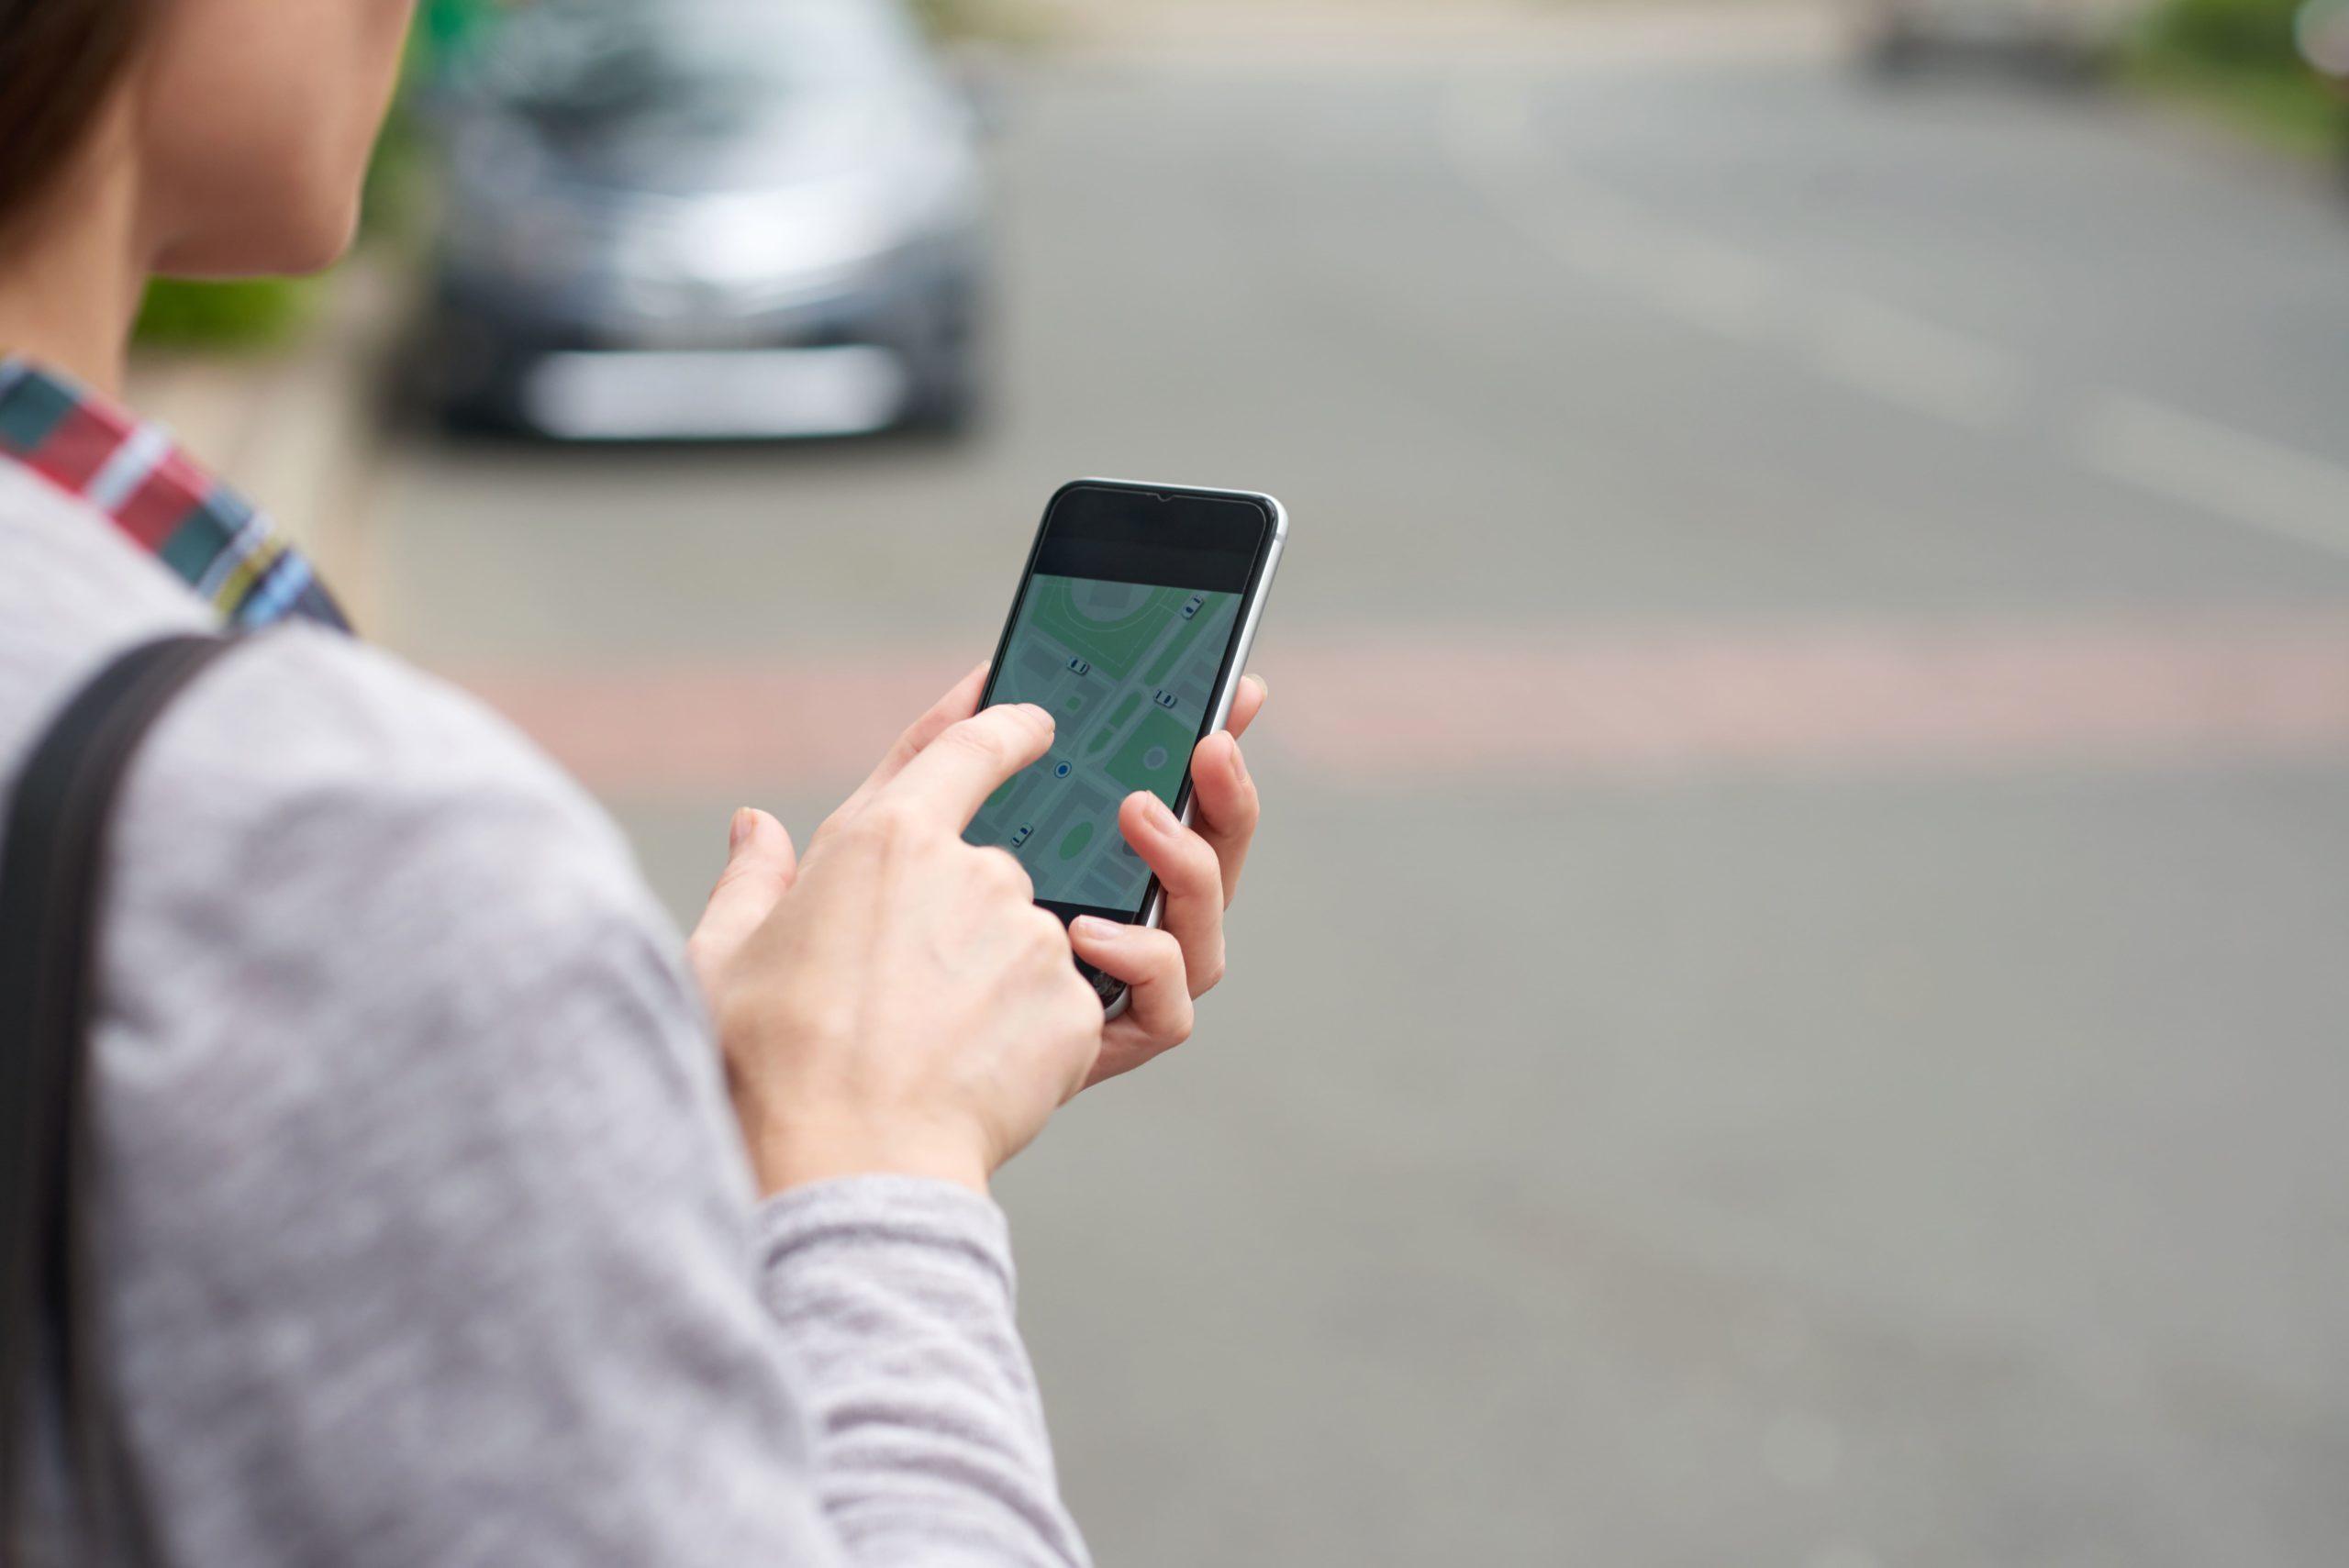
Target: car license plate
[716,394]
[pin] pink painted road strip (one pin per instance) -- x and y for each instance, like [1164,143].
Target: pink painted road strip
[1437,708]
[682,732]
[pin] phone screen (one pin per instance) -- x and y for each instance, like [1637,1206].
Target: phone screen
[1124,632]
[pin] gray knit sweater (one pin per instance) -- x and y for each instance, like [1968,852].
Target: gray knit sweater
[428,1234]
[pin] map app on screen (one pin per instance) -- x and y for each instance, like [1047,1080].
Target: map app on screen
[1127,670]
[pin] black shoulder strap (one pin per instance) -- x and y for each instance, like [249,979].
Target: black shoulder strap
[52,872]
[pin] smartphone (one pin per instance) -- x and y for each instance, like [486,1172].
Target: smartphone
[1132,628]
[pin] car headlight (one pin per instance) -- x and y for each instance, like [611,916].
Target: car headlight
[803,233]
[750,241]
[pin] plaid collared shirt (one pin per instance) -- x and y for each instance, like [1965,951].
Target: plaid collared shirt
[160,499]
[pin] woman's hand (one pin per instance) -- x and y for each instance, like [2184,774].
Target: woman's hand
[897,1002]
[1199,868]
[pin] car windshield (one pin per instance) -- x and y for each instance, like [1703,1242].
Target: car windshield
[690,65]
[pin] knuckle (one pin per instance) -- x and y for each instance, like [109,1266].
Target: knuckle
[1210,974]
[1163,951]
[1195,862]
[1000,871]
[1197,883]
[886,824]
[1048,937]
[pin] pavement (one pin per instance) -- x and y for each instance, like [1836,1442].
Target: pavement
[1789,1008]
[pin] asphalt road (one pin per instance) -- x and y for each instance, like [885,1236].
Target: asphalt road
[1791,1008]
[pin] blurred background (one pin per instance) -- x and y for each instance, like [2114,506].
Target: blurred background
[1790,1007]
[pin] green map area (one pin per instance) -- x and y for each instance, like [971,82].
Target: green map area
[1113,647]
[1129,670]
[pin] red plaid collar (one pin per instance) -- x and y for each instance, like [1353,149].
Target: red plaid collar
[160,499]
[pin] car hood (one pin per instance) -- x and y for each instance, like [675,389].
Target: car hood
[810,139]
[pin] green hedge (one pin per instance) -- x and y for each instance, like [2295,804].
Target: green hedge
[256,314]
[2240,34]
[2240,60]
[993,21]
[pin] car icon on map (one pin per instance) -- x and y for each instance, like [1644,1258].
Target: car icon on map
[1163,697]
[1021,837]
[1199,602]
[1080,667]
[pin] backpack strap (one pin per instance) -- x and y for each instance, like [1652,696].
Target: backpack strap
[53,870]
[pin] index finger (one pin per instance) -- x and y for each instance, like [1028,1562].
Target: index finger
[958,703]
[952,776]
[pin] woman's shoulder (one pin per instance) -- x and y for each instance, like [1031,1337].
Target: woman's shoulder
[299,711]
[303,741]
[375,791]
[323,846]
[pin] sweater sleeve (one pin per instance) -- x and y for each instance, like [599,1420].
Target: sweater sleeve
[427,1232]
[896,1296]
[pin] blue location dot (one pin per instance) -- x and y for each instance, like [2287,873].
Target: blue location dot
[1061,772]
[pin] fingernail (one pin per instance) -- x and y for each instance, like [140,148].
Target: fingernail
[1240,761]
[1159,817]
[1095,928]
[1263,684]
[739,830]
[1042,713]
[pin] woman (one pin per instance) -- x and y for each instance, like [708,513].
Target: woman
[434,1224]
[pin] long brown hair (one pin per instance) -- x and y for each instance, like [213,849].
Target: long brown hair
[59,60]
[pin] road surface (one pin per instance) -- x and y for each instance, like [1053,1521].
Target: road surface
[1791,1008]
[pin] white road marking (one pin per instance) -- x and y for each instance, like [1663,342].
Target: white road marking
[1488,129]
[1490,121]
[1871,347]
[1593,235]
[1918,364]
[1717,287]
[2248,480]
[1591,229]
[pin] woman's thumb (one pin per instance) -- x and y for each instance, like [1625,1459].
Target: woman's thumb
[759,869]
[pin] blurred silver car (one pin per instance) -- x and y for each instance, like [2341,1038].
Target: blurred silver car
[706,218]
